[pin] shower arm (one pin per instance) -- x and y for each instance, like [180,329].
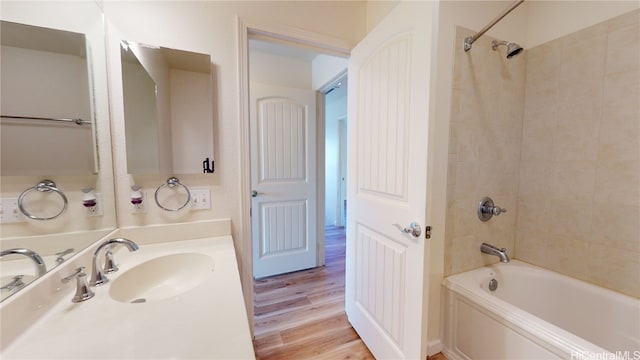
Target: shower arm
[471,39]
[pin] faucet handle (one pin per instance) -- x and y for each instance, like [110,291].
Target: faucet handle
[109,264]
[497,210]
[487,209]
[73,276]
[16,283]
[60,259]
[83,291]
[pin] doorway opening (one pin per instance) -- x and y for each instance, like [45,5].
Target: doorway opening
[294,296]
[335,146]
[297,112]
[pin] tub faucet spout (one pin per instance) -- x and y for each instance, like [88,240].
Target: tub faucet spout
[492,250]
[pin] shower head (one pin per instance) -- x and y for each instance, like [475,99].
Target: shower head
[513,49]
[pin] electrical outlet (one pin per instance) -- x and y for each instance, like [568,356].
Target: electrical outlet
[200,199]
[9,212]
[97,209]
[140,208]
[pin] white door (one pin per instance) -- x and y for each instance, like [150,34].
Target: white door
[388,124]
[283,173]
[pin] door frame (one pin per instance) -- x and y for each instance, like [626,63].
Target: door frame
[322,122]
[273,32]
[342,173]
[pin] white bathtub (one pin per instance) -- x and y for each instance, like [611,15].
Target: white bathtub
[536,314]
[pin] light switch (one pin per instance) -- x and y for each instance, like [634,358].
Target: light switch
[200,199]
[9,212]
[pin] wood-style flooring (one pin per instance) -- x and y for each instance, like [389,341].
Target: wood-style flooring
[301,315]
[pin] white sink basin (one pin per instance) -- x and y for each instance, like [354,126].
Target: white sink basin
[197,313]
[161,278]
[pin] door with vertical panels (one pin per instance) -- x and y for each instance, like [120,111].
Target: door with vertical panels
[283,172]
[387,160]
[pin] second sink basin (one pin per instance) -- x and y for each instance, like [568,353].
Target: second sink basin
[161,278]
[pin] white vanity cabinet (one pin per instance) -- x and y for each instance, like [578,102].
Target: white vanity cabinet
[198,312]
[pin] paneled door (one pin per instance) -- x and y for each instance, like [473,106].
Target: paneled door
[387,159]
[283,179]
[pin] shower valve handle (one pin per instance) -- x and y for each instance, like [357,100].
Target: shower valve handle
[487,209]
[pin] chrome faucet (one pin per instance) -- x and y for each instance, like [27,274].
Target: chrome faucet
[492,250]
[83,291]
[41,268]
[97,277]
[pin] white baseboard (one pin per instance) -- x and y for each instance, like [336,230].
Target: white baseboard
[434,347]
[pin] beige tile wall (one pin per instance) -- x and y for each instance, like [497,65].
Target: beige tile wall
[484,151]
[579,201]
[553,136]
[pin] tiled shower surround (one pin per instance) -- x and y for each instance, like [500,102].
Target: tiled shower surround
[484,151]
[556,137]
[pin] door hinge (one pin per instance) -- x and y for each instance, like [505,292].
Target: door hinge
[427,232]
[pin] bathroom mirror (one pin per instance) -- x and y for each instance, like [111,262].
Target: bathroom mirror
[168,110]
[47,118]
[35,35]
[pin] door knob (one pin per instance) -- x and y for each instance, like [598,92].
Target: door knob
[254,193]
[414,229]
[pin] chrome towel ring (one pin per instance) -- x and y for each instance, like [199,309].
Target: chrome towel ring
[173,182]
[43,186]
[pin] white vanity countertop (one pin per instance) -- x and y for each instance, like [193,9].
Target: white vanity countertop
[208,321]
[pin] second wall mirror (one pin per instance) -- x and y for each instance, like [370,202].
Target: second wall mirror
[47,107]
[168,110]
[53,65]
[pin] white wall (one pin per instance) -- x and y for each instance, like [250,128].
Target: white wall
[549,20]
[377,10]
[279,70]
[210,27]
[325,68]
